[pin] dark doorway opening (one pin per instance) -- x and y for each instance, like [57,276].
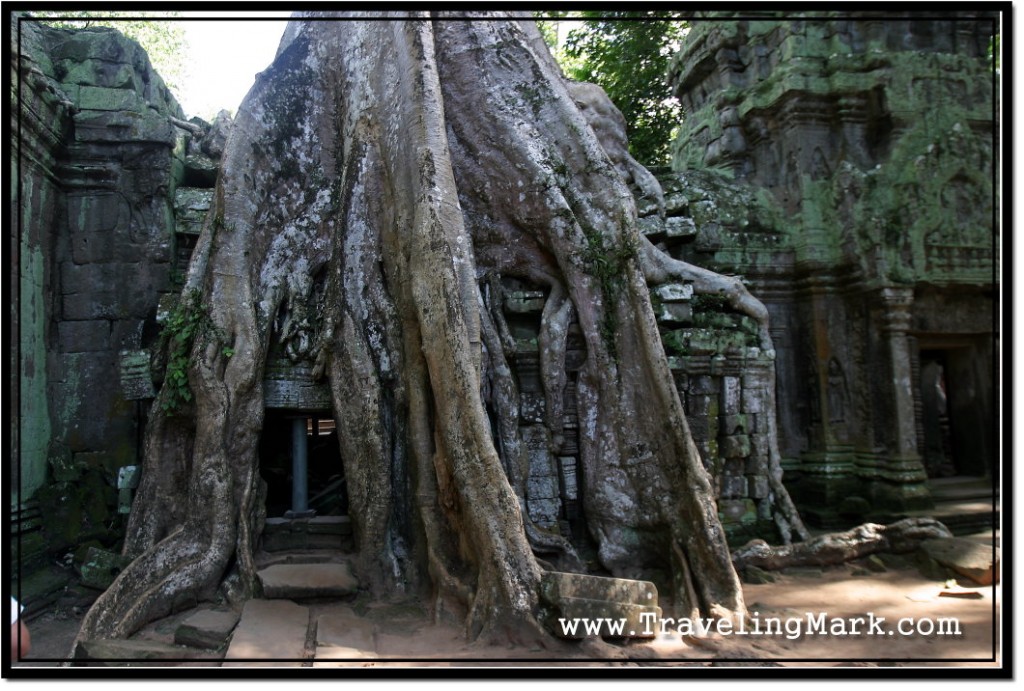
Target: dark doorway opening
[938,438]
[325,477]
[953,416]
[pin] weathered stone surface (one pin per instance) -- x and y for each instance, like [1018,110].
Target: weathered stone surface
[300,581]
[268,630]
[291,387]
[839,190]
[611,619]
[119,652]
[345,635]
[100,568]
[974,560]
[319,532]
[207,628]
[136,375]
[100,160]
[556,586]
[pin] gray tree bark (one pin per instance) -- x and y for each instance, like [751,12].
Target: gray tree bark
[392,172]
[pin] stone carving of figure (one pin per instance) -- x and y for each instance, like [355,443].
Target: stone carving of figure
[836,392]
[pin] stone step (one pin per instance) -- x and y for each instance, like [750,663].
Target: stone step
[208,628]
[318,532]
[305,581]
[343,636]
[270,633]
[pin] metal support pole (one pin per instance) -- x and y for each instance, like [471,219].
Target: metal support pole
[300,474]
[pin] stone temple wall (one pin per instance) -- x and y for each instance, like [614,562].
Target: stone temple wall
[725,383]
[101,154]
[844,167]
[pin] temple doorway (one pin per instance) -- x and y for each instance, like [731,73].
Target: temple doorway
[301,463]
[954,434]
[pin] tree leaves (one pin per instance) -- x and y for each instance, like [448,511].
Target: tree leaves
[627,54]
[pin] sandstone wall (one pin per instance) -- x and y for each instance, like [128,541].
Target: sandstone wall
[844,167]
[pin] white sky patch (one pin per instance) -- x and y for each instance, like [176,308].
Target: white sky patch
[226,52]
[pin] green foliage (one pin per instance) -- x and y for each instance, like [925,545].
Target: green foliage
[627,54]
[186,323]
[163,41]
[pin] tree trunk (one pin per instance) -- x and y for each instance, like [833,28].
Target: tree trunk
[381,178]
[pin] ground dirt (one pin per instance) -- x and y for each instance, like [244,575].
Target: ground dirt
[948,623]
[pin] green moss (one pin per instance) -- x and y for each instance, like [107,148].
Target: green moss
[609,264]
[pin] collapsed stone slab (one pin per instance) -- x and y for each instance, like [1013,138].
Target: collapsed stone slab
[581,606]
[968,558]
[119,653]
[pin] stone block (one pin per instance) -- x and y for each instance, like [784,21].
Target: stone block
[102,98]
[556,586]
[968,558]
[110,75]
[677,204]
[200,170]
[329,525]
[703,405]
[735,424]
[107,127]
[343,629]
[299,581]
[567,466]
[700,427]
[758,486]
[674,292]
[756,463]
[651,226]
[673,313]
[737,510]
[100,568]
[680,227]
[704,384]
[607,619]
[136,375]
[733,486]
[84,336]
[268,630]
[524,301]
[754,401]
[208,629]
[734,446]
[291,387]
[114,652]
[579,598]
[731,395]
[532,407]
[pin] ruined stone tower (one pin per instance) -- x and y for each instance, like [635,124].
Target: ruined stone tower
[845,167]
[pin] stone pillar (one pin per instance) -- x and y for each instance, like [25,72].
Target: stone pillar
[300,476]
[901,482]
[828,479]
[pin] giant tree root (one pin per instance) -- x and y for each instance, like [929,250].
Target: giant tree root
[837,548]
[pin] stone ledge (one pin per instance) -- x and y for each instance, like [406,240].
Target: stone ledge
[298,581]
